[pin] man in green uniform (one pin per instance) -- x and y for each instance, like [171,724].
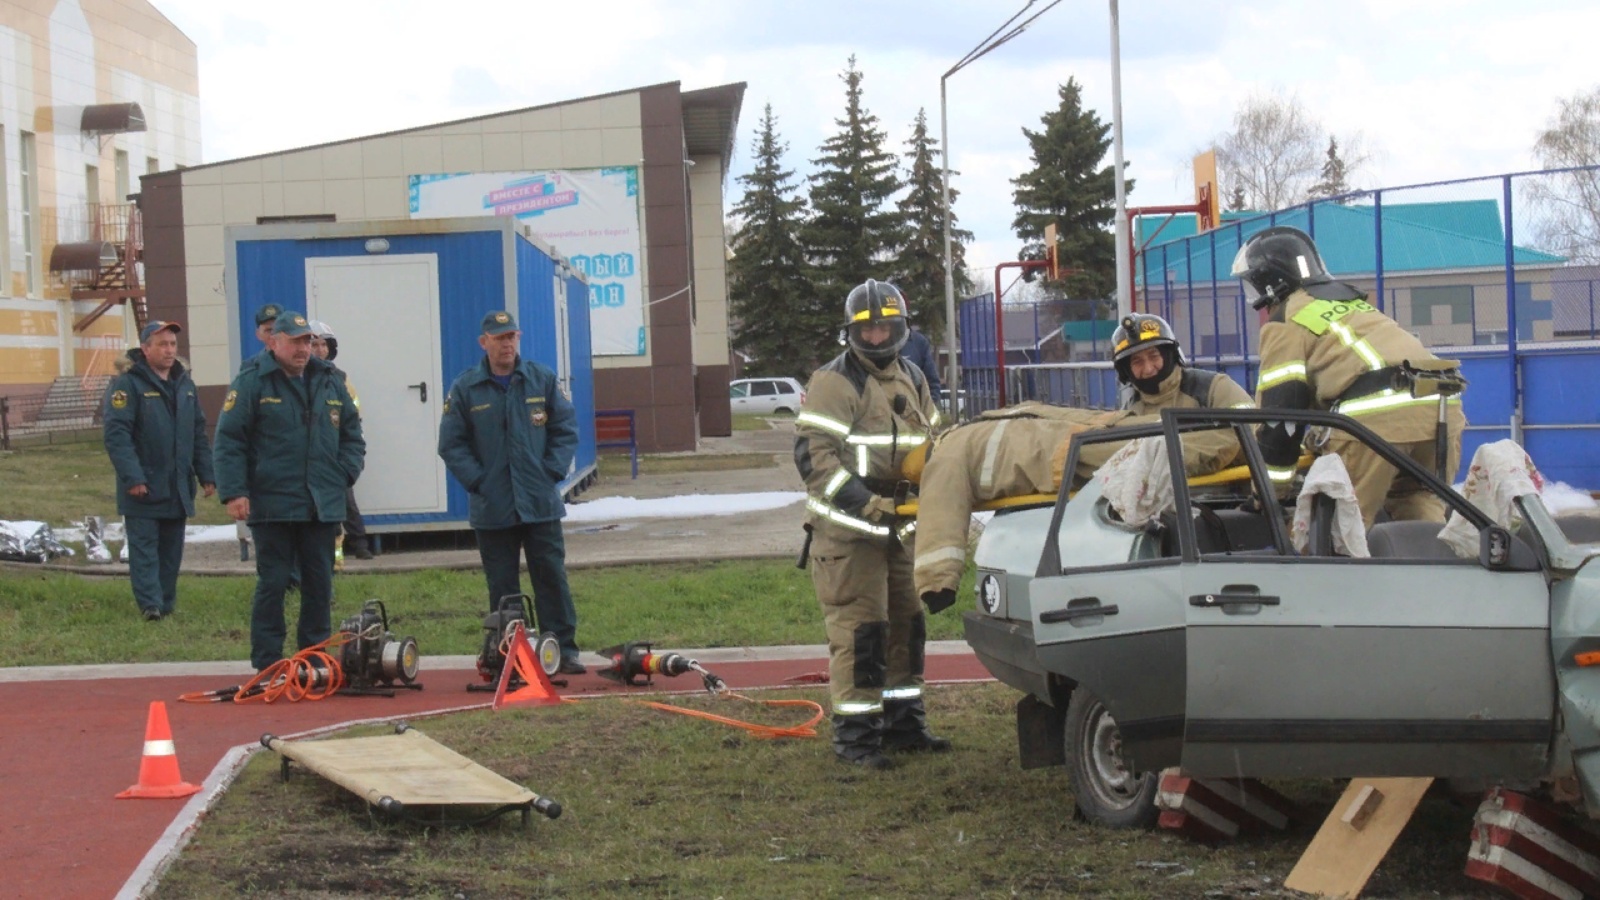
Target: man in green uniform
[863,413]
[1324,346]
[508,435]
[288,445]
[155,434]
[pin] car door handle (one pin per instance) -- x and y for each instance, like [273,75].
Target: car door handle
[423,387]
[1233,595]
[1089,606]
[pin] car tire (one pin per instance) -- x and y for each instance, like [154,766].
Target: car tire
[1106,792]
[783,411]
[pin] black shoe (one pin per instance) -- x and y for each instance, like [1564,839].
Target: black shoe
[870,759]
[857,740]
[915,742]
[359,550]
[571,666]
[905,729]
[151,615]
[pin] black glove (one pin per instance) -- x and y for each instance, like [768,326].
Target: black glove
[939,601]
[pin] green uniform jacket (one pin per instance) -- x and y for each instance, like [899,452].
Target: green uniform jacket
[510,447]
[155,434]
[292,454]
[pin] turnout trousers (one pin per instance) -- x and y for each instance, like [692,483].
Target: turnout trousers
[875,624]
[155,553]
[546,550]
[283,550]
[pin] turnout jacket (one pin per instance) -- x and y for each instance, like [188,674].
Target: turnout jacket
[155,434]
[292,445]
[509,446]
[1333,349]
[1186,388]
[853,432]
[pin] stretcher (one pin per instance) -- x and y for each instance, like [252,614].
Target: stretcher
[407,772]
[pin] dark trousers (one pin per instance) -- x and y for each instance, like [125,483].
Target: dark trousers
[155,552]
[355,530]
[284,549]
[499,548]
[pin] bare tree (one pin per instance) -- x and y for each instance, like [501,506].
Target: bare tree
[1567,204]
[1274,154]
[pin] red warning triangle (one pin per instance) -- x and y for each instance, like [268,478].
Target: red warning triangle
[521,662]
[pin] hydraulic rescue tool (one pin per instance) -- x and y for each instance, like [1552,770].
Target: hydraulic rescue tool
[634,660]
[497,628]
[375,662]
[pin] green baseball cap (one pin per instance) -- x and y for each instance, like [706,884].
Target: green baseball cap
[499,322]
[267,313]
[291,324]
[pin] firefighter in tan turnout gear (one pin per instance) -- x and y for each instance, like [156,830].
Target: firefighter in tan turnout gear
[1012,452]
[1148,358]
[864,411]
[1324,346]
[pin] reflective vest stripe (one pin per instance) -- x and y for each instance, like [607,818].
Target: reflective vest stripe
[1387,399]
[839,517]
[864,461]
[1293,370]
[823,422]
[990,451]
[943,554]
[1359,345]
[903,439]
[902,693]
[858,707]
[835,484]
[907,531]
[1243,405]
[1277,474]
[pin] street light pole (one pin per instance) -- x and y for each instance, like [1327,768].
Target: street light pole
[999,36]
[1124,264]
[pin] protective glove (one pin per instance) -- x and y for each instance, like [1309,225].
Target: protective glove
[939,601]
[880,511]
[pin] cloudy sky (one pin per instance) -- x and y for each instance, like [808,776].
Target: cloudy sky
[1438,89]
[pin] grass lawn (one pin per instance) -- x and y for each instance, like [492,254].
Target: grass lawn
[659,805]
[62,483]
[617,465]
[56,618]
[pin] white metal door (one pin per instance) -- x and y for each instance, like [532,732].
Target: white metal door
[385,312]
[563,338]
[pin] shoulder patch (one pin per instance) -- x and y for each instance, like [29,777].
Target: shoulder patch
[230,400]
[119,399]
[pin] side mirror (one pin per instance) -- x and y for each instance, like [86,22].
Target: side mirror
[1494,547]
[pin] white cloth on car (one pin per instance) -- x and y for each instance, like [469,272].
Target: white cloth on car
[1500,473]
[1137,481]
[1328,475]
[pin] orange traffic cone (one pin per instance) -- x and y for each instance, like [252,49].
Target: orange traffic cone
[158,768]
[521,661]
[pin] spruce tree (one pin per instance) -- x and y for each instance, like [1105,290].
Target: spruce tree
[769,290]
[1335,179]
[1072,185]
[854,232]
[919,270]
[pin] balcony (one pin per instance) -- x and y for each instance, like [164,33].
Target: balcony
[96,253]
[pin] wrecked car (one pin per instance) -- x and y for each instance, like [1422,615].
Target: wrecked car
[1205,640]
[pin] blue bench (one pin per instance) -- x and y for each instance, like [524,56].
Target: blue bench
[614,430]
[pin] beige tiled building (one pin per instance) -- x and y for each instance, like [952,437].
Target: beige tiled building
[681,142]
[93,95]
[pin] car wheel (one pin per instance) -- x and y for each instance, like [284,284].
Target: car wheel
[1106,790]
[783,411]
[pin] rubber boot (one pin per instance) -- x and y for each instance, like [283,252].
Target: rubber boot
[859,740]
[905,729]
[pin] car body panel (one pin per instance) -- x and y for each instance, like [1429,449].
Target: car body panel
[765,395]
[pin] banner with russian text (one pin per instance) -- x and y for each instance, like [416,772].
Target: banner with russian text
[590,216]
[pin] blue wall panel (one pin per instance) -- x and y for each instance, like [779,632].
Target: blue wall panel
[581,346]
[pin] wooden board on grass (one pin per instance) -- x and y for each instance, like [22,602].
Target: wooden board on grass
[1356,836]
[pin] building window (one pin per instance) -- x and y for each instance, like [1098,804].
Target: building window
[30,213]
[91,201]
[151,165]
[122,177]
[1455,298]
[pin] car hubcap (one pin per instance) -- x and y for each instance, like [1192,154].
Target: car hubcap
[1115,784]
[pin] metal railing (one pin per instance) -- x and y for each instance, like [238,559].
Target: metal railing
[65,414]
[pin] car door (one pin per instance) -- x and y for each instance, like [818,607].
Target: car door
[1116,630]
[739,396]
[1423,664]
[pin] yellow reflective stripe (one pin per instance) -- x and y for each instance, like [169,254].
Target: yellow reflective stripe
[936,419]
[863,461]
[1387,399]
[883,312]
[835,483]
[839,517]
[906,531]
[858,707]
[990,451]
[904,439]
[823,422]
[943,554]
[1244,405]
[1359,345]
[1294,370]
[902,693]
[1275,474]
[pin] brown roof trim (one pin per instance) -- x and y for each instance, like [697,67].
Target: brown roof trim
[432,125]
[111,118]
[711,120]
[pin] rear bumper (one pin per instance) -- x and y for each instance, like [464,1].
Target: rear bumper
[1006,649]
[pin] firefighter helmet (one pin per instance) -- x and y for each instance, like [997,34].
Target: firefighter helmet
[871,303]
[1276,262]
[1140,332]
